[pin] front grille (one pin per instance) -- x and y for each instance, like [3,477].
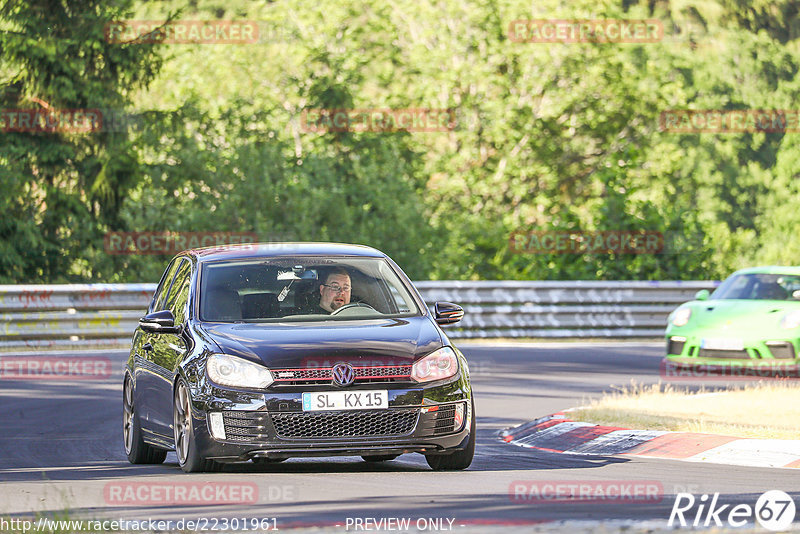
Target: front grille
[323,375]
[782,350]
[731,354]
[245,426]
[367,423]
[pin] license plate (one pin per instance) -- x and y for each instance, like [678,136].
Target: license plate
[345,400]
[715,343]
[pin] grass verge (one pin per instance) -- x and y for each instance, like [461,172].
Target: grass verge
[767,410]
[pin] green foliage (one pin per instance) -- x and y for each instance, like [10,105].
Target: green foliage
[61,188]
[549,137]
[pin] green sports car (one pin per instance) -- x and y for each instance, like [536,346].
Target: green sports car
[752,318]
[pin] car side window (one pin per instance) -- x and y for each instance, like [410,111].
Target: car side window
[163,287]
[179,294]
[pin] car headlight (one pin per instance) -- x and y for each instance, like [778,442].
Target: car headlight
[439,364]
[791,320]
[228,370]
[681,316]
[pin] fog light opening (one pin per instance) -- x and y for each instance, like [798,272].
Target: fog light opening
[458,419]
[781,349]
[675,345]
[216,425]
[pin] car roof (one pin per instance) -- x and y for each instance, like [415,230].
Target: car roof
[261,250]
[771,269]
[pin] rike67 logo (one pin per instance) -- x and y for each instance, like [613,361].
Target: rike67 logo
[774,510]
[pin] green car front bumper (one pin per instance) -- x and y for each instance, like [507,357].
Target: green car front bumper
[778,356]
[700,348]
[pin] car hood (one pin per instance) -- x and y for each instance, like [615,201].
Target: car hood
[320,344]
[741,316]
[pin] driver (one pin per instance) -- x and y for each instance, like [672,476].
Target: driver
[334,292]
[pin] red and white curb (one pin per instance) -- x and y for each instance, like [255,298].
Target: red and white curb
[557,433]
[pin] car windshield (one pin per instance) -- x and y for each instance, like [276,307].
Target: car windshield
[759,287]
[287,289]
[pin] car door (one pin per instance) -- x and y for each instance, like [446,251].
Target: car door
[142,348]
[166,351]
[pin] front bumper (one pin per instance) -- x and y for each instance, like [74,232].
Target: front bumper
[274,425]
[700,349]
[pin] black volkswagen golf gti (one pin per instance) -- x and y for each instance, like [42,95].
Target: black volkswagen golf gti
[265,352]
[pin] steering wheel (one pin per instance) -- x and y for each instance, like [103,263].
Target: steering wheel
[351,306]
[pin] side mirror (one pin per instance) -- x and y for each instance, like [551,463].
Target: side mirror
[702,295]
[447,313]
[160,322]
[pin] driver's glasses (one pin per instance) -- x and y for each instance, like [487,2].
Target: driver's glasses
[336,288]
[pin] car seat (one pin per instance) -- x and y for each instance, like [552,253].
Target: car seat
[771,291]
[221,304]
[260,306]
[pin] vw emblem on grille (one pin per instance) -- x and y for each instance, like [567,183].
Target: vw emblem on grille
[343,374]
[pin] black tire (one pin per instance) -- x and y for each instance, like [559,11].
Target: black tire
[189,459]
[137,450]
[458,460]
[380,458]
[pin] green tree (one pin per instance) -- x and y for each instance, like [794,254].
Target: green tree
[61,188]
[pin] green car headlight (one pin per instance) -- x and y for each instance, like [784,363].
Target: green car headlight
[791,320]
[681,316]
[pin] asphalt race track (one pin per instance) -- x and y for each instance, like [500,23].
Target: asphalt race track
[61,450]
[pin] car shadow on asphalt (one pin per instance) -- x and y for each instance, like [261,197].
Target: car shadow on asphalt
[491,454]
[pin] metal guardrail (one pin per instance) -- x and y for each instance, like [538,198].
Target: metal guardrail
[71,315]
[562,309]
[105,315]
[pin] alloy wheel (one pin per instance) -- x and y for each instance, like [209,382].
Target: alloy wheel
[127,416]
[182,423]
